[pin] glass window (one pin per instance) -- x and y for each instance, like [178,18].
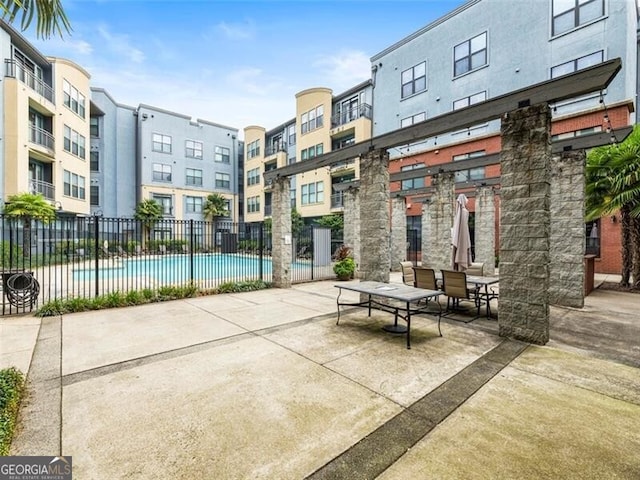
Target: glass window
[292,134]
[165,202]
[470,55]
[74,143]
[194,177]
[73,99]
[161,143]
[417,118]
[74,185]
[94,161]
[413,183]
[577,64]
[94,127]
[161,172]
[569,14]
[194,204]
[253,176]
[193,149]
[414,80]
[222,154]
[470,100]
[312,193]
[223,180]
[94,195]
[253,149]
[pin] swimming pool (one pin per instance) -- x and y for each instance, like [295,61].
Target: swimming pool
[183,268]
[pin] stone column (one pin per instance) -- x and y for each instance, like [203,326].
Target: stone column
[442,220]
[351,221]
[398,233]
[281,252]
[374,216]
[485,230]
[566,269]
[427,246]
[524,224]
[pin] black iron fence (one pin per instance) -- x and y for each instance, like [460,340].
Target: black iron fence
[92,256]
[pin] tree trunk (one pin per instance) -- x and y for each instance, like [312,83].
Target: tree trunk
[26,238]
[627,251]
[635,241]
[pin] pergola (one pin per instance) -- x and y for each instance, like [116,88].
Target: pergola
[540,249]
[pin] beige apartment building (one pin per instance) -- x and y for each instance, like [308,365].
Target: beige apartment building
[323,123]
[46,126]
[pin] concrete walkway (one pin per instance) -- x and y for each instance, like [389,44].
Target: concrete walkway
[264,385]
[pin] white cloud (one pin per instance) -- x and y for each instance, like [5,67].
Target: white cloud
[344,69]
[120,44]
[252,80]
[237,31]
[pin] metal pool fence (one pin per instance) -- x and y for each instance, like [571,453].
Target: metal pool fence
[76,257]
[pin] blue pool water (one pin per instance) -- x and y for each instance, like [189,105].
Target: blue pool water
[177,268]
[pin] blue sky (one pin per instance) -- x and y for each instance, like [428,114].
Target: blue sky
[237,63]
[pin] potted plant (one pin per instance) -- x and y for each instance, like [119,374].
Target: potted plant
[345,265]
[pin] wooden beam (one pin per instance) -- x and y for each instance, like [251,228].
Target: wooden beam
[584,142]
[582,82]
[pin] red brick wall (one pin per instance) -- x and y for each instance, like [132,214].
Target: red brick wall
[610,260]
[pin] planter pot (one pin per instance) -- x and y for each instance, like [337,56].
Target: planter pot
[344,277]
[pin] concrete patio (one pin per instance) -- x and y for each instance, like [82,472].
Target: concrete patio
[265,385]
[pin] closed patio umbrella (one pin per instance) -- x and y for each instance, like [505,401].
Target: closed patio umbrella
[460,238]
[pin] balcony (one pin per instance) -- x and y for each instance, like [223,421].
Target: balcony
[41,137]
[15,69]
[46,189]
[275,148]
[337,200]
[350,115]
[343,167]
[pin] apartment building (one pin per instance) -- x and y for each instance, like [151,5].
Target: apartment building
[146,152]
[44,127]
[324,122]
[486,48]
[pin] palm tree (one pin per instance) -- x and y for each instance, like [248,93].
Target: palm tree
[612,185]
[49,14]
[215,207]
[148,212]
[27,207]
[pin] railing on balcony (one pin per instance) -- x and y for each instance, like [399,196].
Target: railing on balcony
[344,165]
[41,137]
[337,200]
[350,115]
[15,69]
[275,148]
[47,189]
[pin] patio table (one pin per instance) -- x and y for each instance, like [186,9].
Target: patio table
[407,296]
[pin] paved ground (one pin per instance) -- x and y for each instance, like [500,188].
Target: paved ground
[264,385]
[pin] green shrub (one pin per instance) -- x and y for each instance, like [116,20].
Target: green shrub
[52,308]
[11,390]
[79,304]
[236,287]
[9,253]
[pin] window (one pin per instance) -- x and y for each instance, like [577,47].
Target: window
[253,149]
[74,143]
[94,195]
[94,126]
[577,64]
[312,193]
[464,156]
[414,80]
[74,185]
[222,154]
[161,143]
[253,176]
[194,177]
[470,174]
[569,14]
[161,172]
[253,204]
[193,149]
[223,180]
[343,142]
[94,161]
[311,152]
[292,134]
[470,100]
[413,182]
[312,119]
[73,99]
[165,202]
[470,55]
[418,117]
[194,204]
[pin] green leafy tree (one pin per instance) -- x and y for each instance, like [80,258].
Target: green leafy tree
[148,212]
[49,14]
[28,207]
[215,207]
[612,185]
[297,222]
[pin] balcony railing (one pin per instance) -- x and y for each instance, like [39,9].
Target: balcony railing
[344,165]
[275,148]
[337,200]
[47,189]
[350,115]
[16,70]
[41,137]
